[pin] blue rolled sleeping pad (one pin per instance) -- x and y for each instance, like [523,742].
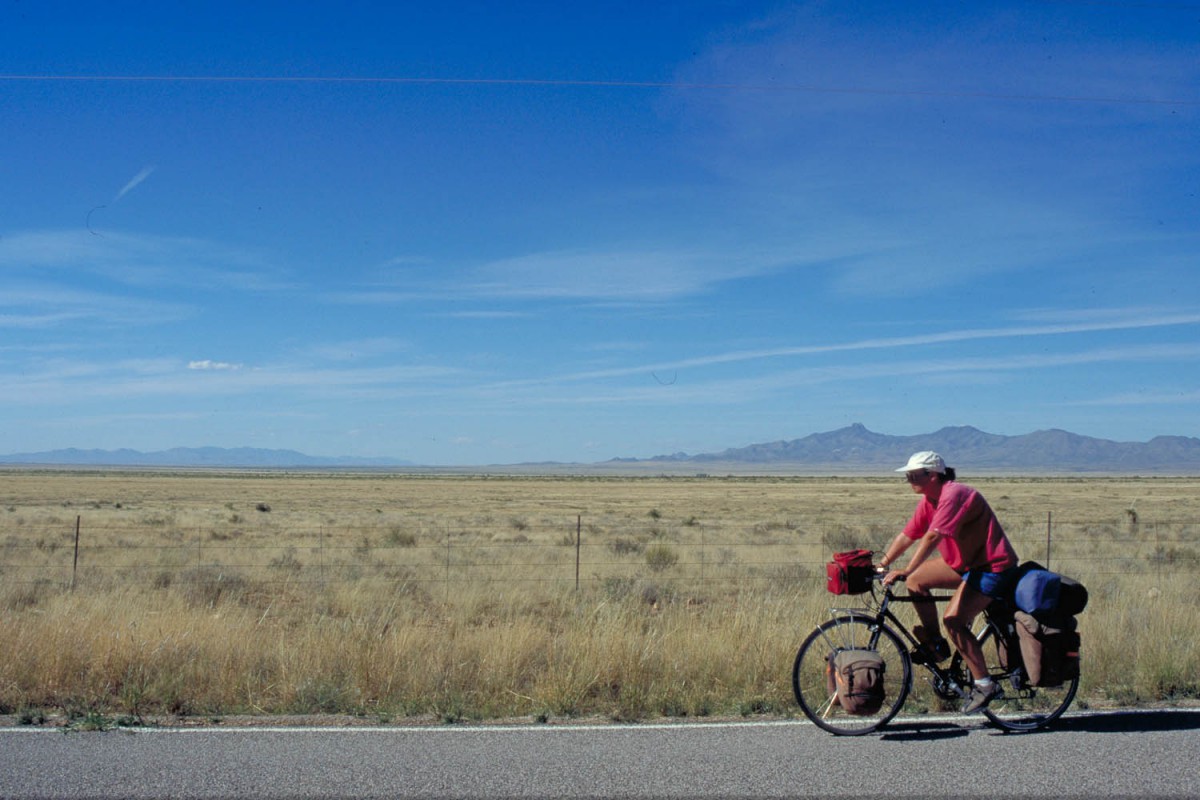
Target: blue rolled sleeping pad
[1037,592]
[1050,597]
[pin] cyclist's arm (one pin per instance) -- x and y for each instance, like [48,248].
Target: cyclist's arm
[895,550]
[925,545]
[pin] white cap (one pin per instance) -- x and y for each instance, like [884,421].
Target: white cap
[926,459]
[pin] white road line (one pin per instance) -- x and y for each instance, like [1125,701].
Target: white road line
[468,728]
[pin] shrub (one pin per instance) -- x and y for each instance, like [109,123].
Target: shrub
[661,557]
[398,537]
[622,546]
[205,586]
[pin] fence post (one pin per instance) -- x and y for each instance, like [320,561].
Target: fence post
[1048,513]
[578,543]
[1159,555]
[75,564]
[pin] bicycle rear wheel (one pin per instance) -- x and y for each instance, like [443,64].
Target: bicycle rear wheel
[810,679]
[1022,707]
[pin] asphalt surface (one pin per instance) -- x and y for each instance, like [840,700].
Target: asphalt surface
[1095,755]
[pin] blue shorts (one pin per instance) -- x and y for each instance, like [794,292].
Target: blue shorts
[997,585]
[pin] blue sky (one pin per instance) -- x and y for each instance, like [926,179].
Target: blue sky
[477,233]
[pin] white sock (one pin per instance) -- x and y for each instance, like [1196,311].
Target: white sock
[983,683]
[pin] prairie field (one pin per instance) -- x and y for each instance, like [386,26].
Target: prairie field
[393,597]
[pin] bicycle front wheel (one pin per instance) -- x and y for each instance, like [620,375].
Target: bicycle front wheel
[810,680]
[1022,707]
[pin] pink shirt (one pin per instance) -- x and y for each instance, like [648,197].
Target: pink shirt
[971,535]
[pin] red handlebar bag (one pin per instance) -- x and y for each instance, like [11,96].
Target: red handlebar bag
[849,572]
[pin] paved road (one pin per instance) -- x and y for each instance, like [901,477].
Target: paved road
[1115,754]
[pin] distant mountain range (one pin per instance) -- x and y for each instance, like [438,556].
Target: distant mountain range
[194,457]
[853,449]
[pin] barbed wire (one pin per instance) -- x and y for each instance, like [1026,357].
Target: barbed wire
[531,553]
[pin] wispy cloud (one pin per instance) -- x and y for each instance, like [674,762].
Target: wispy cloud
[1169,319]
[748,389]
[1184,397]
[139,260]
[35,321]
[650,275]
[945,158]
[216,366]
[848,60]
[63,381]
[39,306]
[359,349]
[483,314]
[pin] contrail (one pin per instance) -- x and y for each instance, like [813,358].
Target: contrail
[141,176]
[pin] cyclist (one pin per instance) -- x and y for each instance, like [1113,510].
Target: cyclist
[959,545]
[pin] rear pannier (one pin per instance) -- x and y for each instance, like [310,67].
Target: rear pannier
[1051,654]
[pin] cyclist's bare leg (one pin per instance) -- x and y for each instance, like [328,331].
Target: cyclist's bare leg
[961,611]
[931,574]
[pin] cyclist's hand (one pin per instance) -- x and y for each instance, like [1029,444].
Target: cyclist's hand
[893,576]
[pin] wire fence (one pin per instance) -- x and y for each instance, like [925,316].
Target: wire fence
[573,554]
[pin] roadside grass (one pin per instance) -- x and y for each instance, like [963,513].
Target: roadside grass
[456,598]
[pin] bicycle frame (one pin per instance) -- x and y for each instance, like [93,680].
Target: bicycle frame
[946,679]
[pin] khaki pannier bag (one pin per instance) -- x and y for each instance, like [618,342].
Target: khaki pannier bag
[857,680]
[1051,654]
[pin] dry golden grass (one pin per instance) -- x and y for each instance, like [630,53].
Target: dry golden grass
[456,597]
